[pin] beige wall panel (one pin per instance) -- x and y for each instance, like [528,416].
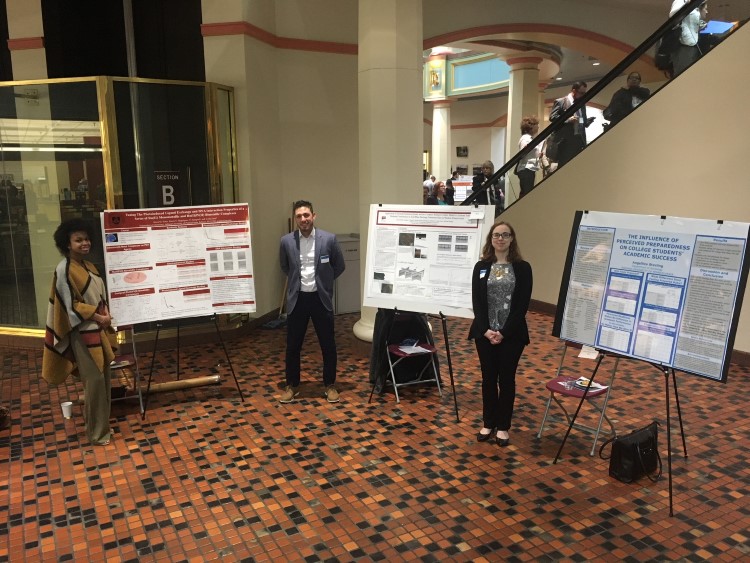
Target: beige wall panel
[318,136]
[261,13]
[320,20]
[24,18]
[29,64]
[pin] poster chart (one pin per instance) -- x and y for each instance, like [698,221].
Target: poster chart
[420,257]
[667,290]
[176,262]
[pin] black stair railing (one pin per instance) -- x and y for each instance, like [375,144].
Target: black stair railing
[607,79]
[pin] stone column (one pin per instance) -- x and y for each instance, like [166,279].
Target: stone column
[523,99]
[390,115]
[441,139]
[26,39]
[542,111]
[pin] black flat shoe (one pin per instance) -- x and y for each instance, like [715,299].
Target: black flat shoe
[502,442]
[484,437]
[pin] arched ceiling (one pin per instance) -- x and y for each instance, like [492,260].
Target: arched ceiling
[568,51]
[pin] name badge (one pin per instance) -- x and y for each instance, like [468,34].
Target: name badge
[482,274]
[324,259]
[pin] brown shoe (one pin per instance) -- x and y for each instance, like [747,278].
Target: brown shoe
[331,394]
[289,394]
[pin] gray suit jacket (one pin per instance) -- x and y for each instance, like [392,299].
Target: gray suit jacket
[329,264]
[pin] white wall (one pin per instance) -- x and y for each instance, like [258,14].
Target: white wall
[680,154]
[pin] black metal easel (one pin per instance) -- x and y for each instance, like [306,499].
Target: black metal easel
[666,370]
[153,359]
[443,318]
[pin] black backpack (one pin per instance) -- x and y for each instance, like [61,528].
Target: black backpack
[668,45]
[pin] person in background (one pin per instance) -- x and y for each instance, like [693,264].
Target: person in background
[78,321]
[500,291]
[570,138]
[626,99]
[450,190]
[495,191]
[425,194]
[529,164]
[312,260]
[450,193]
[688,52]
[438,195]
[429,183]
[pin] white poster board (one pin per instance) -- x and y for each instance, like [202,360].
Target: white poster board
[667,290]
[463,188]
[420,257]
[177,262]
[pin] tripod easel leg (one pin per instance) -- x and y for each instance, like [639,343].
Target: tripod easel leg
[679,413]
[151,371]
[229,361]
[450,363]
[669,437]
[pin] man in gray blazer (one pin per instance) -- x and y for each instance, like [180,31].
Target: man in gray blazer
[311,259]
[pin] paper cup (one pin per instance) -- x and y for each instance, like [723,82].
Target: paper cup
[67,408]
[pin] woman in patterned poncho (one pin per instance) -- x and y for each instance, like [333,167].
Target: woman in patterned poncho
[77,323]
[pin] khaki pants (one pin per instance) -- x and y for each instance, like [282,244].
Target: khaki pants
[97,393]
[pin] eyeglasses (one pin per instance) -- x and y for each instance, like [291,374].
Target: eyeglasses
[504,236]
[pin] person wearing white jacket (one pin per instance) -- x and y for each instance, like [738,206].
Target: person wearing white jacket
[688,52]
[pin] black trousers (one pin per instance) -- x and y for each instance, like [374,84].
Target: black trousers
[526,178]
[308,307]
[569,147]
[499,363]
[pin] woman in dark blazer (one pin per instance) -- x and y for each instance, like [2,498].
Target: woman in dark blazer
[500,290]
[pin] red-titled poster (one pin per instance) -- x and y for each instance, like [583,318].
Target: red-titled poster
[175,262]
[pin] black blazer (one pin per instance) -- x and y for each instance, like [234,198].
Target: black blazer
[515,329]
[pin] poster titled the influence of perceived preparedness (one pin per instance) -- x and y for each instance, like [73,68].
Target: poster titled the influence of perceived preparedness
[178,262]
[660,289]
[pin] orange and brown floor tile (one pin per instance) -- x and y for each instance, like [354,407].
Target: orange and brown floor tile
[206,476]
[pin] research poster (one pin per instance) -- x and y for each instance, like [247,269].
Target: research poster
[662,289]
[420,257]
[177,262]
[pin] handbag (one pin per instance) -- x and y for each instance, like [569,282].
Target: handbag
[551,147]
[634,455]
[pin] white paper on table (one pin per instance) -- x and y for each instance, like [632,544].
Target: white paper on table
[583,383]
[588,352]
[413,350]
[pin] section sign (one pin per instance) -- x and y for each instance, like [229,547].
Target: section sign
[420,257]
[177,262]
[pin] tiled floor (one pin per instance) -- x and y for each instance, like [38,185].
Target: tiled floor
[207,477]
